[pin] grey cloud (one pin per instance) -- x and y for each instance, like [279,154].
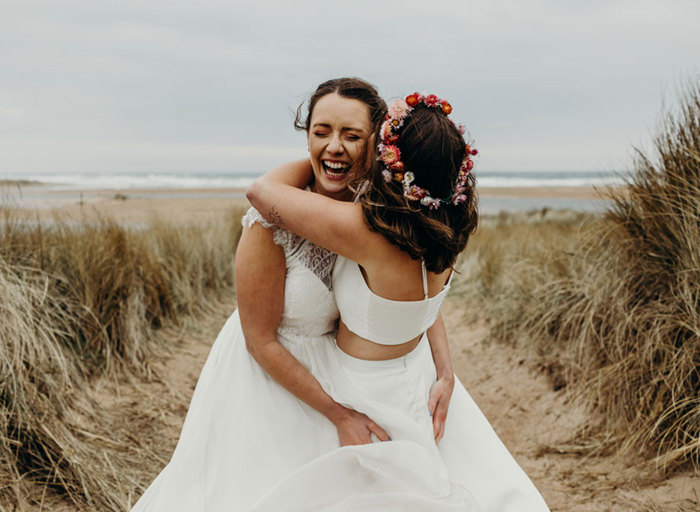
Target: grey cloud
[541,84]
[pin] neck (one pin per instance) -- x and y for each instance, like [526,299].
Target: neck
[345,195]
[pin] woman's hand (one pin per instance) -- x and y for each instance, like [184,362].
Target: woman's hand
[439,402]
[357,428]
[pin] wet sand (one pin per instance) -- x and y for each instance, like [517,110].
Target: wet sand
[192,205]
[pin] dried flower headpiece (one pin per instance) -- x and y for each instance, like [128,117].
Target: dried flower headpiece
[391,156]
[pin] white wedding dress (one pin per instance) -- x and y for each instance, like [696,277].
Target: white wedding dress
[249,445]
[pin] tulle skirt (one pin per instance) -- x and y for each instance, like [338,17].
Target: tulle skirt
[249,445]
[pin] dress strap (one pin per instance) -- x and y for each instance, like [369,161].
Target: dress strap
[425,278]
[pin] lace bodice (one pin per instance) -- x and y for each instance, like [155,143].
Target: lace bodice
[309,305]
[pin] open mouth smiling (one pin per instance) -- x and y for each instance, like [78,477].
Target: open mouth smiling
[335,170]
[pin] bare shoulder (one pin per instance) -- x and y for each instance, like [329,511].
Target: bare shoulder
[257,251]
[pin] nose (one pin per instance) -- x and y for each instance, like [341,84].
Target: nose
[335,145]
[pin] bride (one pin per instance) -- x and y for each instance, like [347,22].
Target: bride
[396,246]
[246,439]
[244,431]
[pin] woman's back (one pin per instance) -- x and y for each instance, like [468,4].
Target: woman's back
[385,309]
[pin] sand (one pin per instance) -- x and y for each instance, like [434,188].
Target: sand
[513,392]
[190,206]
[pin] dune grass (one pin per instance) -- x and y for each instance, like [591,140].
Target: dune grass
[80,302]
[611,305]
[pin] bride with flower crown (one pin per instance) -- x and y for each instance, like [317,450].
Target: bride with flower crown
[287,423]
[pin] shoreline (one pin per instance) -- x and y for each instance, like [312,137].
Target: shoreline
[43,189]
[197,205]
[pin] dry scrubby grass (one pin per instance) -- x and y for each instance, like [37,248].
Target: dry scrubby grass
[612,305]
[80,303]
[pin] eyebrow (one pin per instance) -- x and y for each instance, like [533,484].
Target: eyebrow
[344,129]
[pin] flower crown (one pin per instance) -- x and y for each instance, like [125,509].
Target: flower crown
[391,156]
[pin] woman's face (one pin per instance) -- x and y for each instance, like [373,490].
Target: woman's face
[337,134]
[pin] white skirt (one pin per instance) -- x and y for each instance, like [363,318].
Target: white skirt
[249,445]
[471,469]
[243,433]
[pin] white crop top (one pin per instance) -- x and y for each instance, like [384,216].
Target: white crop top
[380,320]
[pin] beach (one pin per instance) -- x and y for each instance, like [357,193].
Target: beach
[517,389]
[192,205]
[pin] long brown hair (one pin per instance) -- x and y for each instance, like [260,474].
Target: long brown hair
[432,149]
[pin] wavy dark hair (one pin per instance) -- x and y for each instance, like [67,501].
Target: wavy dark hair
[432,149]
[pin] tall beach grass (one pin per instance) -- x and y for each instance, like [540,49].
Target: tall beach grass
[611,305]
[81,300]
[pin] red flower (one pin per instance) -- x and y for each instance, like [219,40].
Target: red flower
[474,151]
[397,166]
[446,107]
[431,100]
[413,99]
[392,139]
[470,165]
[390,154]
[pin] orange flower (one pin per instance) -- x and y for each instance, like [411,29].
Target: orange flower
[446,107]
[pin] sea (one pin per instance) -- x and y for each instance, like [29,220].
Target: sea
[215,184]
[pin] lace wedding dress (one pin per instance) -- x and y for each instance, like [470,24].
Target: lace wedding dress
[243,432]
[249,445]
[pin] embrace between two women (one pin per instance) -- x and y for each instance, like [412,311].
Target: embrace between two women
[331,387]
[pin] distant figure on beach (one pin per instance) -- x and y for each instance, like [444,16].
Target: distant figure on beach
[289,414]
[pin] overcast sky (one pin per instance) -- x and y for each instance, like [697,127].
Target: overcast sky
[209,85]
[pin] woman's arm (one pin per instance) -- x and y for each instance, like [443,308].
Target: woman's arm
[260,280]
[296,174]
[336,225]
[441,391]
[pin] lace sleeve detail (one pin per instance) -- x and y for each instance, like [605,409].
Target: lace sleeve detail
[317,259]
[288,241]
[252,216]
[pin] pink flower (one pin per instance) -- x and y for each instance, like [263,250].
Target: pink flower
[417,192]
[386,129]
[433,204]
[387,175]
[462,129]
[459,199]
[399,109]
